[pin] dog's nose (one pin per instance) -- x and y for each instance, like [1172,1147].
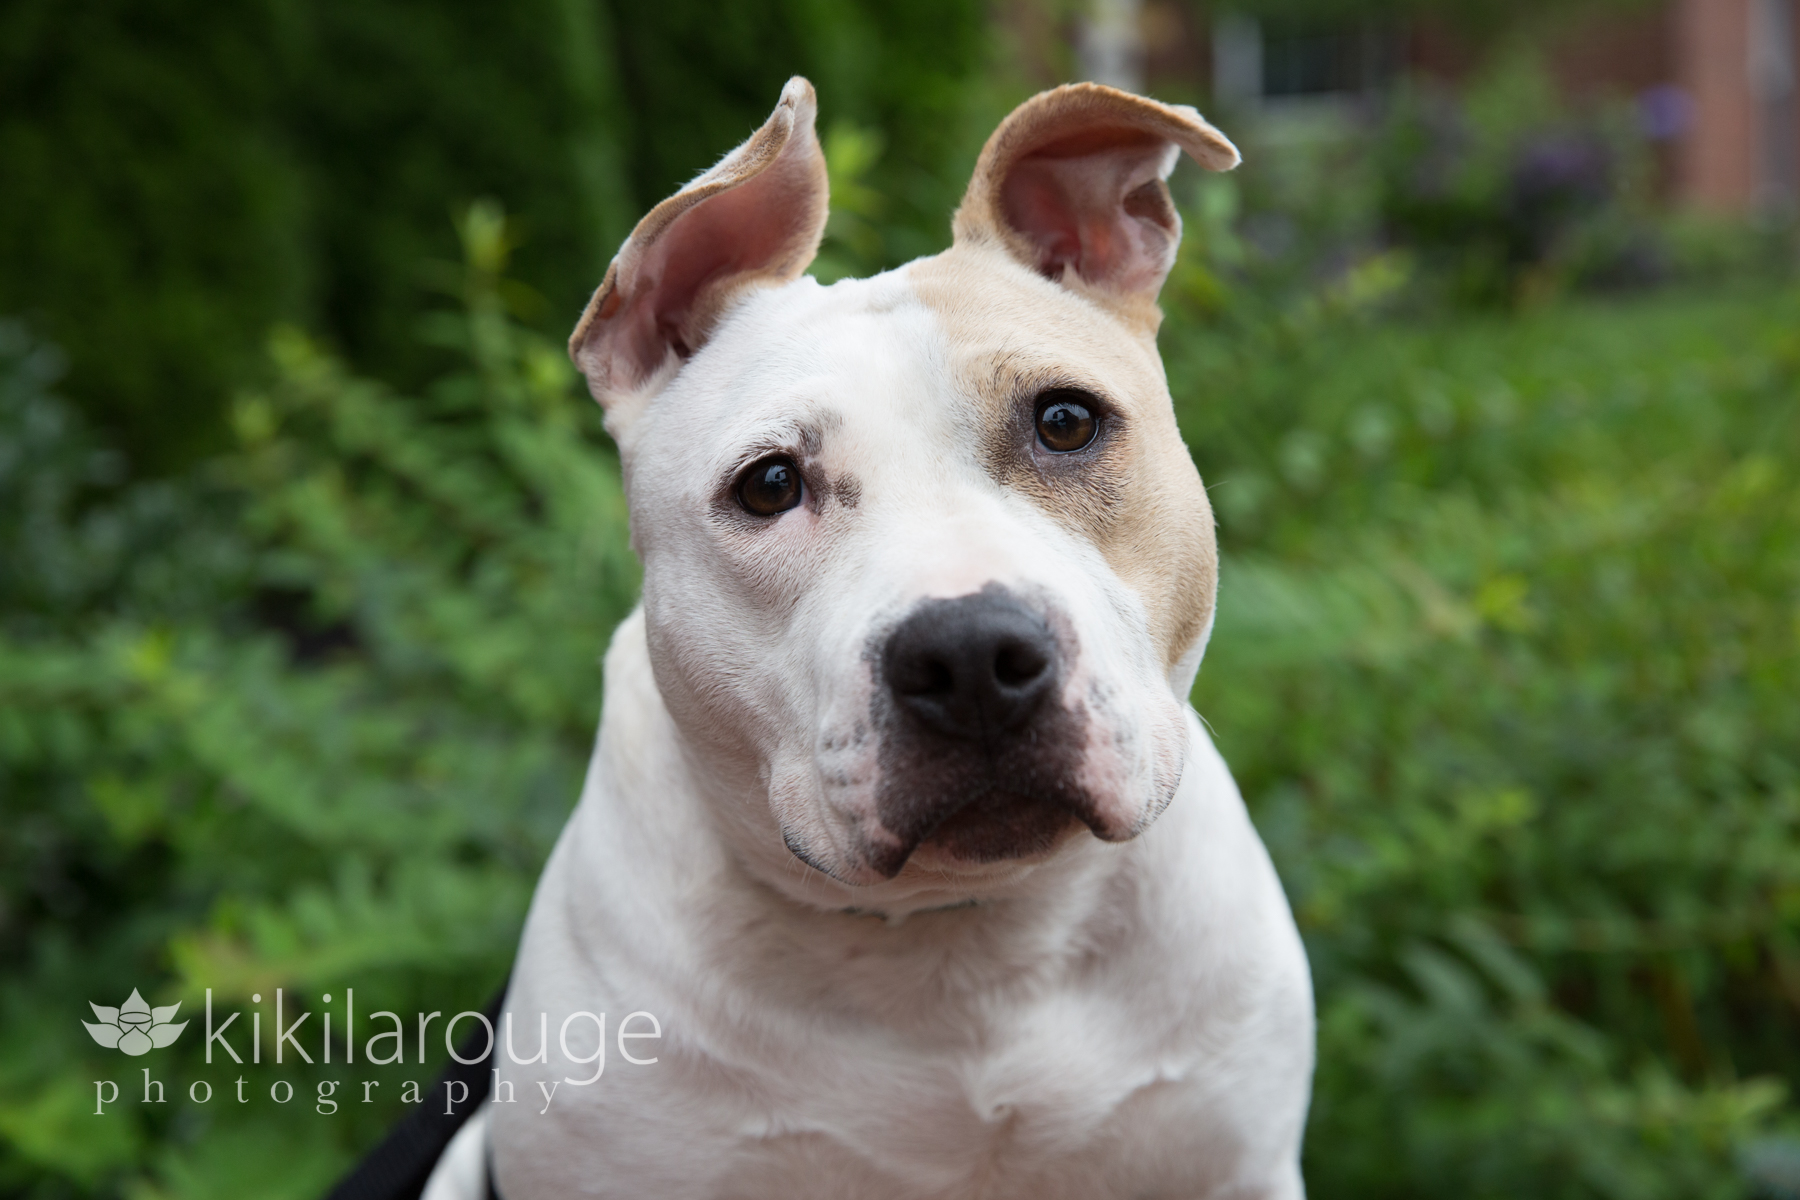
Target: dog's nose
[976,667]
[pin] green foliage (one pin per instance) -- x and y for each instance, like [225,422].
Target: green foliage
[1508,194]
[1493,195]
[323,736]
[1505,662]
[180,174]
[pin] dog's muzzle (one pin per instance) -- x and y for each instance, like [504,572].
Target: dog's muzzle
[978,755]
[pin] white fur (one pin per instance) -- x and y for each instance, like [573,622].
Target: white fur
[461,1174]
[1127,1018]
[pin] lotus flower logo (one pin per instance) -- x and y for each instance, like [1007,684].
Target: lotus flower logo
[134,1026]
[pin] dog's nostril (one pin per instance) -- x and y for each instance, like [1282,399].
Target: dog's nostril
[1019,663]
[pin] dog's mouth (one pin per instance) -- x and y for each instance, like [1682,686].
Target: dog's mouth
[1002,825]
[996,826]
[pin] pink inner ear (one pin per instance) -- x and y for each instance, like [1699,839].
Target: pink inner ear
[759,227]
[733,233]
[1095,203]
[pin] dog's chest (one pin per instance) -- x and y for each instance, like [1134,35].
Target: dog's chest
[1051,1093]
[1077,1085]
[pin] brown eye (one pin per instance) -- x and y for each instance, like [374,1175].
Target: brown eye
[1066,420]
[770,487]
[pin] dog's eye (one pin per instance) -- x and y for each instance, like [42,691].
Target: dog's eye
[1066,420]
[770,486]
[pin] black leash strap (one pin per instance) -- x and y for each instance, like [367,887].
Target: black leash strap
[398,1168]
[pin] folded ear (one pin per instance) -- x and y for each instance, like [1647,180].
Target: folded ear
[755,217]
[1072,183]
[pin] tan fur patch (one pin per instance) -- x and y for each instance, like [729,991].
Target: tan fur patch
[1135,493]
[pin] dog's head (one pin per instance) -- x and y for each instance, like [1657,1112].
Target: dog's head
[928,570]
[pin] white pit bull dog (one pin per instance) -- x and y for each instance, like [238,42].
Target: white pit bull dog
[899,821]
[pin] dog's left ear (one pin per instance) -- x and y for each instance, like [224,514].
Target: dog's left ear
[755,217]
[1071,184]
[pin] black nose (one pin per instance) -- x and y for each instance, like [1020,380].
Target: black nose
[976,667]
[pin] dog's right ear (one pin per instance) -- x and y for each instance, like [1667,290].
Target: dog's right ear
[1071,185]
[756,217]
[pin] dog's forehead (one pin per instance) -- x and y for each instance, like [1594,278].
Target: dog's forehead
[797,365]
[937,348]
[1006,328]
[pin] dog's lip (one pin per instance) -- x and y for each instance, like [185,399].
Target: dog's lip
[980,813]
[1000,826]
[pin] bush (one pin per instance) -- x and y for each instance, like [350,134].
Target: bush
[1496,195]
[1505,663]
[311,720]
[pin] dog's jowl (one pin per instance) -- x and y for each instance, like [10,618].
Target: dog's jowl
[899,821]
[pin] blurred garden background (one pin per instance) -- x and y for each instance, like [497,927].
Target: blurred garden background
[310,540]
